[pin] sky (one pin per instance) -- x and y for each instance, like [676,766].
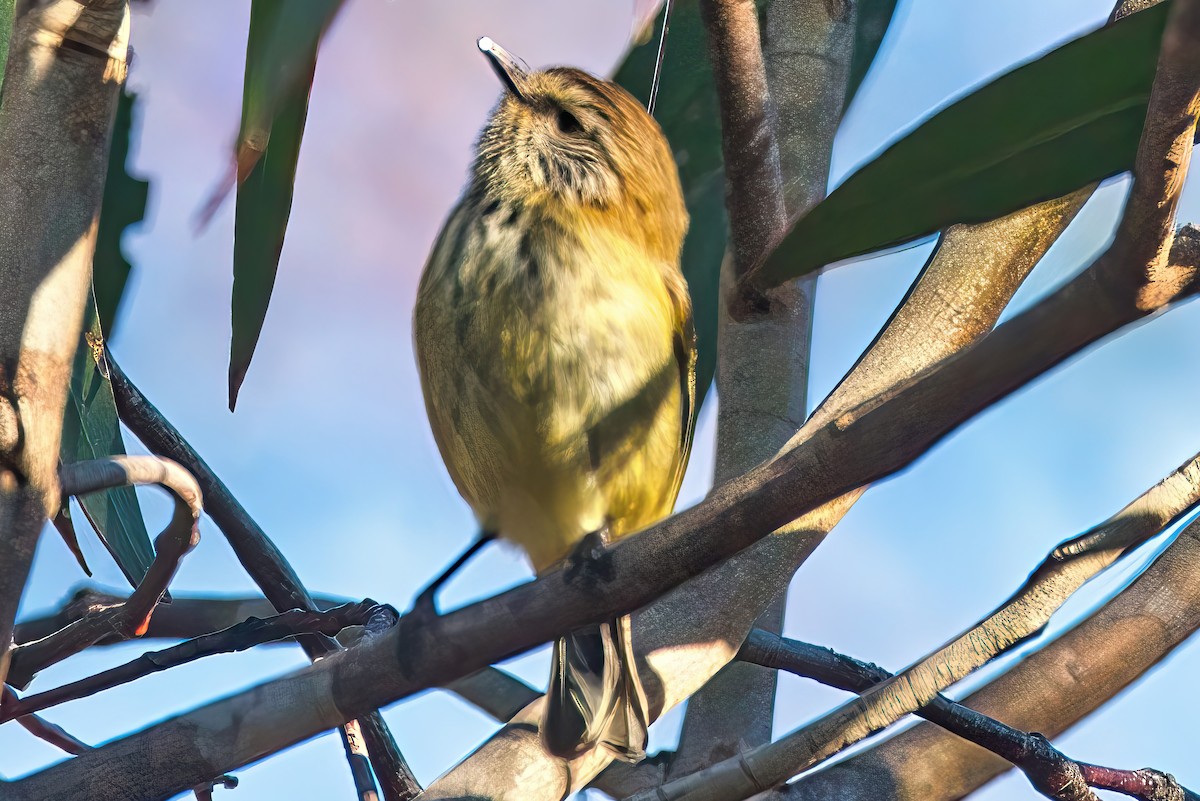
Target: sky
[330,451]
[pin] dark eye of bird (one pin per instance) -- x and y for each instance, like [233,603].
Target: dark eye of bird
[567,123]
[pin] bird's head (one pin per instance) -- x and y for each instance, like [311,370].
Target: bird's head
[562,135]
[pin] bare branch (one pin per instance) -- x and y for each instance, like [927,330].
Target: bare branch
[239,637]
[131,618]
[65,68]
[754,190]
[1047,691]
[1051,773]
[267,566]
[186,617]
[42,728]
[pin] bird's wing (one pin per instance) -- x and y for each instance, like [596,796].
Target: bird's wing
[685,359]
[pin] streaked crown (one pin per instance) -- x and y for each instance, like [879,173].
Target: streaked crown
[561,136]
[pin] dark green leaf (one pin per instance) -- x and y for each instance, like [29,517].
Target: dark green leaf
[281,55]
[687,111]
[874,17]
[6,22]
[91,431]
[1041,131]
[124,204]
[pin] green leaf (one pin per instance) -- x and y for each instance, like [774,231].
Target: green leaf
[124,204]
[687,111]
[6,23]
[1043,130]
[281,55]
[874,17]
[91,431]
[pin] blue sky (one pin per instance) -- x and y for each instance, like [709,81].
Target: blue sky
[330,451]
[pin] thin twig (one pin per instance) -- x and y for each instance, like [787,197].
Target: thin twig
[42,728]
[240,637]
[1053,774]
[267,566]
[186,617]
[132,618]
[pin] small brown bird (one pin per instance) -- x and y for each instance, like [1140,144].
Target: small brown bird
[556,350]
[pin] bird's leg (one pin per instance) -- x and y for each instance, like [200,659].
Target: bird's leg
[588,560]
[427,602]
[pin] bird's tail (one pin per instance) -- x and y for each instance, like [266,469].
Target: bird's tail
[595,696]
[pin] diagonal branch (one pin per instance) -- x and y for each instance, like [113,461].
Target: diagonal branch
[1047,691]
[1051,773]
[42,728]
[186,617]
[266,565]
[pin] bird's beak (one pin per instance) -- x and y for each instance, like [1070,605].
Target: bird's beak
[508,67]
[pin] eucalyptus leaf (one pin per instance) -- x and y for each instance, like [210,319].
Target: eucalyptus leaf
[281,56]
[91,430]
[1064,120]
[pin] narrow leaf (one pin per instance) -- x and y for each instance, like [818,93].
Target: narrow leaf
[124,204]
[1043,130]
[687,111]
[281,56]
[6,23]
[91,430]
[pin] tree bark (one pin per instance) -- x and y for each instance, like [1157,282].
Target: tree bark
[66,65]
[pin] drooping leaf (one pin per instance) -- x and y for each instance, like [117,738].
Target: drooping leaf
[124,204]
[1043,130]
[874,17]
[687,111]
[281,56]
[91,431]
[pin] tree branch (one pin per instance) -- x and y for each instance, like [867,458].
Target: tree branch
[1048,691]
[185,618]
[65,67]
[1051,773]
[42,728]
[267,566]
[244,635]
[129,619]
[754,189]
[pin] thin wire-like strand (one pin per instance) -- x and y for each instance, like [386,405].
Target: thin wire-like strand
[658,62]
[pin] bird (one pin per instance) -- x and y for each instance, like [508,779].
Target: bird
[556,351]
